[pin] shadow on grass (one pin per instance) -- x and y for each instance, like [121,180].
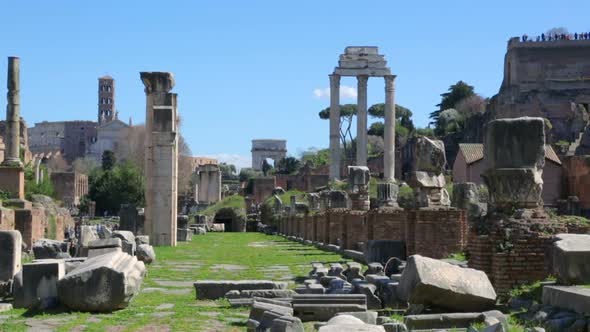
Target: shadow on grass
[238,324]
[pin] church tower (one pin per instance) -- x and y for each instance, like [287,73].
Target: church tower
[106,100]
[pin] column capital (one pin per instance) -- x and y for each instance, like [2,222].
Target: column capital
[157,82]
[389,82]
[362,80]
[334,79]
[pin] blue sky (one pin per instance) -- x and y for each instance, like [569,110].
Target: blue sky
[248,69]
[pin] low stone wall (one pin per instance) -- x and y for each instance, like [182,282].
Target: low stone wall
[6,219]
[435,233]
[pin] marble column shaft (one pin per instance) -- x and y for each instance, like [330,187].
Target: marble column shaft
[334,127]
[12,139]
[361,124]
[389,146]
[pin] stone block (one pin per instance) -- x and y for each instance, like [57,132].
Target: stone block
[184,235]
[368,317]
[102,284]
[570,258]
[323,307]
[128,241]
[511,188]
[146,253]
[46,248]
[380,251]
[87,235]
[215,289]
[142,239]
[515,143]
[10,254]
[442,321]
[431,282]
[39,288]
[574,298]
[287,324]
[104,246]
[261,293]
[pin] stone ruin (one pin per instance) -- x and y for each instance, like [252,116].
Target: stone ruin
[358,187]
[428,178]
[509,243]
[161,166]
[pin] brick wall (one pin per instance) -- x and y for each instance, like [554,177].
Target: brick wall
[354,229]
[437,233]
[522,260]
[31,224]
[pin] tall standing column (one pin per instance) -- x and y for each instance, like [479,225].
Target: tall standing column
[389,146]
[334,127]
[12,150]
[361,121]
[161,158]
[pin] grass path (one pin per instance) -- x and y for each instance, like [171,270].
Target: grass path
[167,301]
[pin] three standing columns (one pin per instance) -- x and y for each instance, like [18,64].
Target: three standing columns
[361,135]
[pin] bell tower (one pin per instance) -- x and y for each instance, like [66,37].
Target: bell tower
[106,100]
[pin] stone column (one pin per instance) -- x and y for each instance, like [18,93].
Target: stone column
[12,146]
[389,146]
[361,121]
[334,127]
[161,166]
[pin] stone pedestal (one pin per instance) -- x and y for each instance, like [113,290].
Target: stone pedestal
[360,201]
[12,180]
[387,194]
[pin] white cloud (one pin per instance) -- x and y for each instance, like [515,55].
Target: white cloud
[238,160]
[346,92]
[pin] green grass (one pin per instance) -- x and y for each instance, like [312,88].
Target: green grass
[232,202]
[258,256]
[286,197]
[459,256]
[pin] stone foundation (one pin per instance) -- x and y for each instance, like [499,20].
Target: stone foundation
[518,258]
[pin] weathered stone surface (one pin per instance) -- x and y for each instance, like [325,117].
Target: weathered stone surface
[568,297]
[184,235]
[142,239]
[380,251]
[259,307]
[570,258]
[215,289]
[466,196]
[287,324]
[374,268]
[394,266]
[515,143]
[369,290]
[10,254]
[39,287]
[46,248]
[87,234]
[367,317]
[128,241]
[514,150]
[104,246]
[429,155]
[442,321]
[261,293]
[146,253]
[431,282]
[103,283]
[323,307]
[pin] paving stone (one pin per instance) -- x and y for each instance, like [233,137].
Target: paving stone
[215,289]
[165,306]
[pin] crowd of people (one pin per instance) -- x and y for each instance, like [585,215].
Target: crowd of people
[557,36]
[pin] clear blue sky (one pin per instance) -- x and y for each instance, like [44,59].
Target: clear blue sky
[248,69]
